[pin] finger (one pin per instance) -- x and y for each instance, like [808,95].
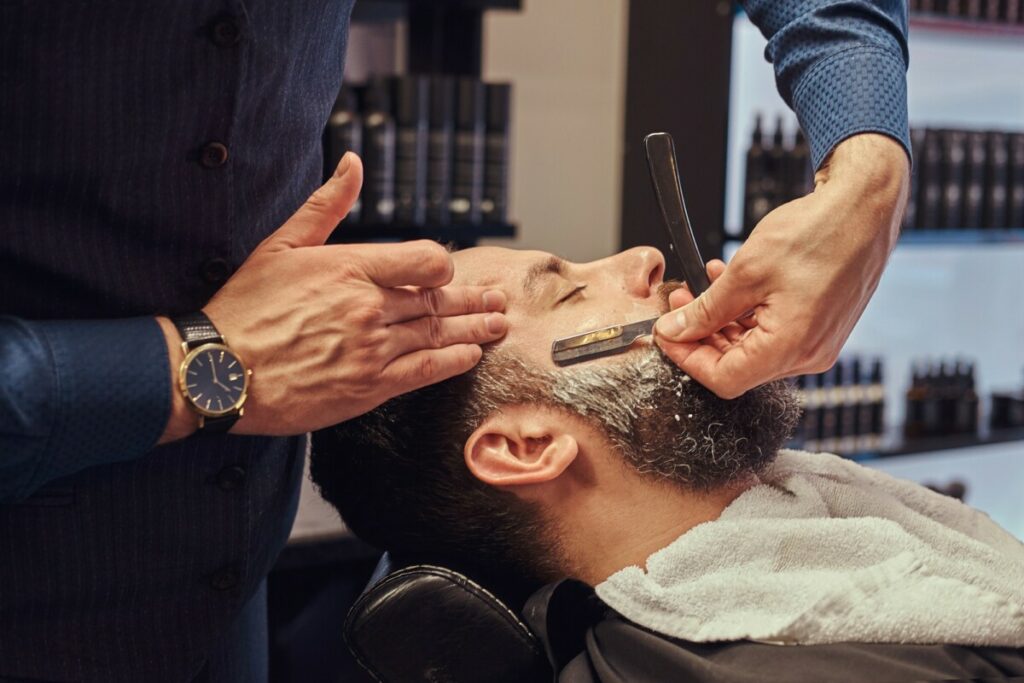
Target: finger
[724,301]
[682,296]
[731,372]
[409,303]
[437,333]
[420,263]
[315,220]
[422,368]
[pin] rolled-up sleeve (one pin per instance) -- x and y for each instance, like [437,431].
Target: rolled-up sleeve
[75,394]
[840,64]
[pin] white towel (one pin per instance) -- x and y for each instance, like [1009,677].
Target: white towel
[826,551]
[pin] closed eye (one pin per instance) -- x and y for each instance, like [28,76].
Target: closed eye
[570,295]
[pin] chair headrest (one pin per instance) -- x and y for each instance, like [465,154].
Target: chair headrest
[428,623]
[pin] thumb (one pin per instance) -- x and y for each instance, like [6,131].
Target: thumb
[726,300]
[315,220]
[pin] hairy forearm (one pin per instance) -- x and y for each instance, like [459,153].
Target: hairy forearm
[870,174]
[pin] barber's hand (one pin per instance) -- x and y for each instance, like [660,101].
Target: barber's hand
[807,272]
[332,331]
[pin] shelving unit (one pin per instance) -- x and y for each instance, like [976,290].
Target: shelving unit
[442,37]
[945,292]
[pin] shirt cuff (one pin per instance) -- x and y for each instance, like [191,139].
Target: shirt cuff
[113,393]
[859,90]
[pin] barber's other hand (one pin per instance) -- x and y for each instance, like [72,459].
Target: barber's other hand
[807,271]
[332,331]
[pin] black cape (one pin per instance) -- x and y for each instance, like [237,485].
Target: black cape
[588,642]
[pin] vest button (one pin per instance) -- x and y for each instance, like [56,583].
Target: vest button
[215,271]
[230,478]
[213,155]
[225,579]
[225,32]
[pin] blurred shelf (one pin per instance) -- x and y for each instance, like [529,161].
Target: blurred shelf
[1013,236]
[967,236]
[951,442]
[969,27]
[395,232]
[477,4]
[897,445]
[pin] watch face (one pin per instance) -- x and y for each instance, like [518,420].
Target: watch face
[214,379]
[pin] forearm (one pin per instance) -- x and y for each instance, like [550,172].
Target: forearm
[869,174]
[75,394]
[840,64]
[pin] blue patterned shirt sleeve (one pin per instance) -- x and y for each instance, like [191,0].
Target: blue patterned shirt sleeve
[77,394]
[840,64]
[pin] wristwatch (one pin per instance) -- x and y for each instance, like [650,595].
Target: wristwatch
[212,378]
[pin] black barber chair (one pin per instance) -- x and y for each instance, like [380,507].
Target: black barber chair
[419,623]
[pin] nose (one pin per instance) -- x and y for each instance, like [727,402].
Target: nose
[644,269]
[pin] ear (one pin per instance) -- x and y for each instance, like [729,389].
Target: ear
[521,445]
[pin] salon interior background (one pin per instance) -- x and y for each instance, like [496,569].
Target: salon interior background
[583,95]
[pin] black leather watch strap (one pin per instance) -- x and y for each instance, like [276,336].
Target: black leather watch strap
[196,329]
[219,425]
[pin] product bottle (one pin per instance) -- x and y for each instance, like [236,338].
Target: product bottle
[910,218]
[929,208]
[828,418]
[379,154]
[496,149]
[954,156]
[344,133]
[1015,205]
[997,180]
[876,400]
[440,149]
[800,178]
[813,412]
[755,202]
[411,95]
[849,371]
[468,174]
[974,193]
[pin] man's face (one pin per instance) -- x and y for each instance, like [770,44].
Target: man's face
[643,405]
[549,298]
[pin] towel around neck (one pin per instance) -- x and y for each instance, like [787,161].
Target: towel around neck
[824,551]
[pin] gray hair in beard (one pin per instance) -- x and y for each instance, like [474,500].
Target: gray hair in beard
[665,425]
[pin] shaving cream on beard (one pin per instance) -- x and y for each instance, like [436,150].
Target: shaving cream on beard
[634,401]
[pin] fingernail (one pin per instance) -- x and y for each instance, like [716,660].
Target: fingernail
[495,323]
[672,325]
[343,165]
[494,300]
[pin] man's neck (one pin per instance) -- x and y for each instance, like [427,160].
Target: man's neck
[608,531]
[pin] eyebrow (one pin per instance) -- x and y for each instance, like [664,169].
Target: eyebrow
[551,265]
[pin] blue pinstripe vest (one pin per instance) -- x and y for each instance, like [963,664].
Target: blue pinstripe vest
[116,201]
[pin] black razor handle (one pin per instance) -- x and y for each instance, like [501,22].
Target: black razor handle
[661,161]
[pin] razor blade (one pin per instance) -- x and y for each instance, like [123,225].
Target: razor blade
[668,191]
[606,341]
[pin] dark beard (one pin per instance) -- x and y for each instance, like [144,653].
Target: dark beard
[665,425]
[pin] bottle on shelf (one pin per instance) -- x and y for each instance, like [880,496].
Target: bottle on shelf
[379,154]
[917,147]
[954,156]
[800,180]
[929,208]
[440,149]
[496,153]
[974,182]
[997,181]
[411,95]
[1015,199]
[468,173]
[755,203]
[344,133]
